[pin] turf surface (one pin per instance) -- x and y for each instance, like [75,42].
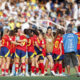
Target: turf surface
[48,77]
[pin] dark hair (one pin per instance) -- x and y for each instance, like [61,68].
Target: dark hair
[16,30]
[35,32]
[30,32]
[12,33]
[49,28]
[78,28]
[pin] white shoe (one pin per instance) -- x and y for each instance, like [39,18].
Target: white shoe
[53,73]
[6,74]
[42,75]
[32,74]
[27,74]
[37,74]
[21,74]
[61,75]
[11,74]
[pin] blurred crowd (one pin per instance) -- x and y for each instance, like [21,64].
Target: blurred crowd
[18,14]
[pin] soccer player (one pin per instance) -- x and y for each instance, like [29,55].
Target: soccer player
[12,53]
[20,53]
[57,54]
[5,51]
[78,48]
[31,51]
[41,52]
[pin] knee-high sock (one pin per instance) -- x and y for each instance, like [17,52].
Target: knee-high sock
[42,68]
[13,69]
[79,68]
[26,68]
[60,68]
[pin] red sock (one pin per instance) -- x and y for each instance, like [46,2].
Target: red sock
[39,65]
[46,70]
[60,68]
[79,68]
[55,67]
[24,67]
[7,70]
[17,67]
[37,70]
[2,70]
[10,68]
[42,68]
[63,70]
[32,69]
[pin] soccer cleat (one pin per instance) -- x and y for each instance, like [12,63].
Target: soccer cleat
[78,74]
[53,73]
[6,74]
[37,74]
[42,75]
[61,75]
[27,74]
[11,74]
[32,74]
[45,72]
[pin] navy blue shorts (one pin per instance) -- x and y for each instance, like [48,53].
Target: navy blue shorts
[31,54]
[57,57]
[49,54]
[5,52]
[12,55]
[37,51]
[20,54]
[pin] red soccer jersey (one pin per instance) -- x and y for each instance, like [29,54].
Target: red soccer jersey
[6,41]
[43,42]
[13,46]
[56,48]
[24,44]
[78,45]
[31,44]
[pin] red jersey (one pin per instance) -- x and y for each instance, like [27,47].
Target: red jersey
[6,41]
[31,44]
[24,47]
[56,48]
[13,46]
[43,42]
[78,45]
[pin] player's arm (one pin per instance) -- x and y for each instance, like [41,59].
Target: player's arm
[14,42]
[24,40]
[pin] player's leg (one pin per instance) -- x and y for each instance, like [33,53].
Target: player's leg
[42,65]
[27,73]
[50,59]
[17,57]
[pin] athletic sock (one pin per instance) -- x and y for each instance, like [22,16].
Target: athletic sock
[60,68]
[37,70]
[42,68]
[79,68]
[10,68]
[23,67]
[55,67]
[17,67]
[63,70]
[2,70]
[26,68]
[7,71]
[32,69]
[13,69]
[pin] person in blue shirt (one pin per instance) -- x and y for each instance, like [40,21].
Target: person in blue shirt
[70,41]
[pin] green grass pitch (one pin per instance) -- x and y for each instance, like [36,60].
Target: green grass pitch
[49,77]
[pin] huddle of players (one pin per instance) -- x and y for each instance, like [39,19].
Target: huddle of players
[24,52]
